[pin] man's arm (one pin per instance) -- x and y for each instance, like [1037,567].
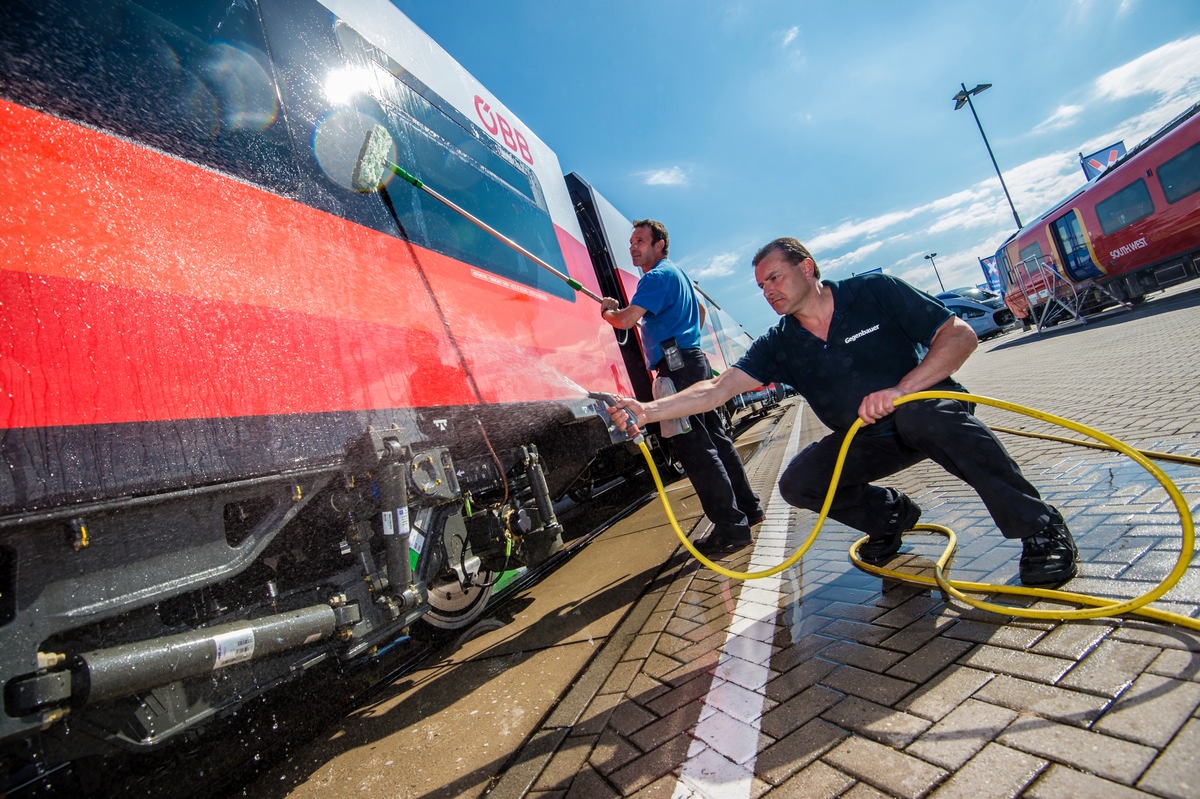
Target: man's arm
[620,318]
[952,344]
[696,398]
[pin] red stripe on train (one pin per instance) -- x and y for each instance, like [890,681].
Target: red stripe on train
[140,287]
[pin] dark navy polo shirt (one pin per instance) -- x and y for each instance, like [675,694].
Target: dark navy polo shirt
[881,329]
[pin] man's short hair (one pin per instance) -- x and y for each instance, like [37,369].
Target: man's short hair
[792,250]
[658,232]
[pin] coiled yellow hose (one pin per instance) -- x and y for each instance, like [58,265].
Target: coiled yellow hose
[1100,607]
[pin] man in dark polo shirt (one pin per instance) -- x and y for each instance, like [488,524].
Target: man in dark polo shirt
[851,348]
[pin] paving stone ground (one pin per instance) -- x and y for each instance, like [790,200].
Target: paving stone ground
[826,681]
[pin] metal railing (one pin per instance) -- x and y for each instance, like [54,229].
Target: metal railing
[1051,298]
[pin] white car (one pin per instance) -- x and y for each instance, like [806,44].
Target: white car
[985,320]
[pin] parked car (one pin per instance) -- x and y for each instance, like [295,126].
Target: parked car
[985,320]
[981,296]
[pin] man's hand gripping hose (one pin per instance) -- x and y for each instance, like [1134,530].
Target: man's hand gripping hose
[1099,607]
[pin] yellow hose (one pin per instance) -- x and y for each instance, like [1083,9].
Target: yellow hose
[1100,607]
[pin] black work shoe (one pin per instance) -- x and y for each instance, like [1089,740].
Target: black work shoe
[1049,555]
[713,544]
[904,516]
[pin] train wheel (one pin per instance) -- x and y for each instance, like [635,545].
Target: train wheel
[452,608]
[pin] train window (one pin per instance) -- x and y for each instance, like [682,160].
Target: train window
[1180,176]
[460,161]
[1125,207]
[190,77]
[1030,254]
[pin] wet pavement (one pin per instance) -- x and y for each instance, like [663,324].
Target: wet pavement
[634,671]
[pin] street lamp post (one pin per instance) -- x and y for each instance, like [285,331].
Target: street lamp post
[935,271]
[964,98]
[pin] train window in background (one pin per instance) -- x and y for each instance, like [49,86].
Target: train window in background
[1180,176]
[1031,251]
[459,160]
[189,77]
[1125,207]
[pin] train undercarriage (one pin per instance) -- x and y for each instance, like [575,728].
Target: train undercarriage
[131,622]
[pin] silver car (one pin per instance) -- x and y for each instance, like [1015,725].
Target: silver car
[985,320]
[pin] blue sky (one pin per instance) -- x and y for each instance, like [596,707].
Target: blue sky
[738,122]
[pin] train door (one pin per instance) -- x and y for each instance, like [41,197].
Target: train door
[1079,261]
[606,233]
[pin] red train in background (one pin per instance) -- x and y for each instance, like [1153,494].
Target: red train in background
[255,419]
[1131,230]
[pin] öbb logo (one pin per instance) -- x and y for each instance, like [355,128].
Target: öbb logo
[497,125]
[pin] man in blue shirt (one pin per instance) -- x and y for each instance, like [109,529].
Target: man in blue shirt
[671,316]
[851,348]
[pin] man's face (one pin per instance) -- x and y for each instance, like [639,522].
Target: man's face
[785,286]
[644,252]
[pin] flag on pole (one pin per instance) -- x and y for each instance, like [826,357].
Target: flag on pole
[991,273]
[1099,161]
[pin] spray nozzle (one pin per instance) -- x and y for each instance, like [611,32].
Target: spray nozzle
[611,401]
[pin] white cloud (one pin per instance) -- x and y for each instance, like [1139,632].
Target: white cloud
[852,257]
[849,231]
[790,35]
[670,176]
[1064,116]
[719,265]
[1171,71]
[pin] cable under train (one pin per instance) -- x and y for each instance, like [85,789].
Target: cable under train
[257,417]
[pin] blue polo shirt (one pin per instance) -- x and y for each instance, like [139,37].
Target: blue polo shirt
[881,329]
[672,310]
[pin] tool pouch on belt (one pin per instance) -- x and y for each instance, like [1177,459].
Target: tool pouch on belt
[665,387]
[672,355]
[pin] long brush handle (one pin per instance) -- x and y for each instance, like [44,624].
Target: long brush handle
[484,226]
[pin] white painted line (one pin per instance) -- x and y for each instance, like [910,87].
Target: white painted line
[720,761]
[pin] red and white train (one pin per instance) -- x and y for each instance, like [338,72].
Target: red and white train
[254,418]
[1131,230]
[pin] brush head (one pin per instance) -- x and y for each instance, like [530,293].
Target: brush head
[371,166]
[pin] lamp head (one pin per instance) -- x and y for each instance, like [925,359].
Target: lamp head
[963,96]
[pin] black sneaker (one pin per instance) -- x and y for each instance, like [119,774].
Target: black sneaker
[713,544]
[756,517]
[1049,555]
[904,516]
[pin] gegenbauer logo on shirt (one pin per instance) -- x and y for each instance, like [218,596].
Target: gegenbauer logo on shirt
[860,334]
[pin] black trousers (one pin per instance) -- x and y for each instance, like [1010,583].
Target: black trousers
[710,459]
[945,431]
